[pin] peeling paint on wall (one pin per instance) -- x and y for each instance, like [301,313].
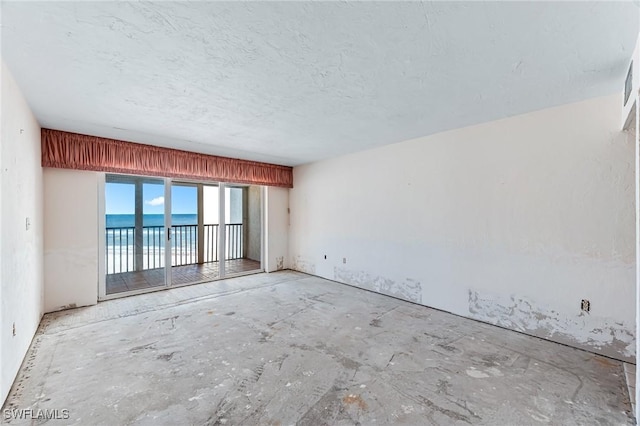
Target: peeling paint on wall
[408,289]
[300,264]
[606,336]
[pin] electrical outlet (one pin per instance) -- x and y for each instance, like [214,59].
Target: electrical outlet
[344,260]
[585,305]
[14,329]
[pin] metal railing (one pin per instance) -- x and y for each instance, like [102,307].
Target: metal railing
[122,255]
[119,251]
[235,241]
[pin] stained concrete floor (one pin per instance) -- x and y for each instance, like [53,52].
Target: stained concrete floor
[286,348]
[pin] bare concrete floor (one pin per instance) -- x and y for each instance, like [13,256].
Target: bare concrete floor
[286,348]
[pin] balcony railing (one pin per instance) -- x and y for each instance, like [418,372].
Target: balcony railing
[122,255]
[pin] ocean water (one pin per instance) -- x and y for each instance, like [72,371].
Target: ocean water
[120,240]
[128,220]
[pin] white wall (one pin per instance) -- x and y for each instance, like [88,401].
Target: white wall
[21,248]
[511,222]
[277,231]
[70,238]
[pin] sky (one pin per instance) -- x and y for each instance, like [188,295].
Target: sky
[120,199]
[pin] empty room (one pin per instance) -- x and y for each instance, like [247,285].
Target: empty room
[319,213]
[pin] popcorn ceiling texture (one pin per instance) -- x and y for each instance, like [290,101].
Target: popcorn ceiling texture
[295,82]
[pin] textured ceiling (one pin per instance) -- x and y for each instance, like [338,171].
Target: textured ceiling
[294,82]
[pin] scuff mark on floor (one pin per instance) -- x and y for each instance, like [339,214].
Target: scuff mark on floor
[449,413]
[375,322]
[166,357]
[141,348]
[171,322]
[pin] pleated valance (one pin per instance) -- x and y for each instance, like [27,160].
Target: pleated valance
[81,152]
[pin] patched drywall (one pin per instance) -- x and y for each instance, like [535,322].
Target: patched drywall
[406,289]
[70,238]
[589,331]
[299,263]
[539,207]
[279,263]
[21,265]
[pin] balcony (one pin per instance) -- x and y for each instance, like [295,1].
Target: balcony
[137,262]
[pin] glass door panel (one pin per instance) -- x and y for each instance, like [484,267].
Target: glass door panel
[152,255]
[120,225]
[243,229]
[211,216]
[203,232]
[194,234]
[134,234]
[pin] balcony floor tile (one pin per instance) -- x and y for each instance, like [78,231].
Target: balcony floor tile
[139,280]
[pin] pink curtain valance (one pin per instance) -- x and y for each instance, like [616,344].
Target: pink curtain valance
[81,152]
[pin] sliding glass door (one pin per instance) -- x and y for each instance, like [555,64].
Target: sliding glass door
[162,233]
[134,234]
[243,225]
[194,237]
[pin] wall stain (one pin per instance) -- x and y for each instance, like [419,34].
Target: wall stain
[589,332]
[300,264]
[69,306]
[409,289]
